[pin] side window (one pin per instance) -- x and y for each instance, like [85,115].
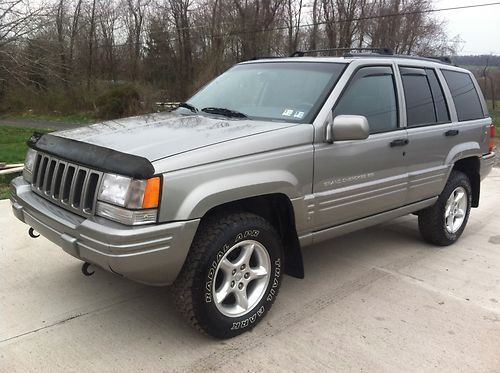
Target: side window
[425,102]
[418,97]
[371,93]
[442,113]
[464,95]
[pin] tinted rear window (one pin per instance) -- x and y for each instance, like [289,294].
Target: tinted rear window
[418,96]
[439,101]
[464,95]
[425,102]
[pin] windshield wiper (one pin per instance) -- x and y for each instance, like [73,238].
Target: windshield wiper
[225,112]
[188,106]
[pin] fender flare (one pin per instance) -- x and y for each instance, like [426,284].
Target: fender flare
[212,193]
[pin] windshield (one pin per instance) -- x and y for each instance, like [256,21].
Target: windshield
[283,91]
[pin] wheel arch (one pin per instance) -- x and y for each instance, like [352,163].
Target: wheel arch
[278,210]
[471,166]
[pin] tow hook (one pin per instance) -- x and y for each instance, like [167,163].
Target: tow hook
[33,233]
[85,269]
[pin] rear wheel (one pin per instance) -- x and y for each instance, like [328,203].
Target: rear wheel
[444,222]
[232,274]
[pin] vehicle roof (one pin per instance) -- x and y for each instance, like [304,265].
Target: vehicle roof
[375,59]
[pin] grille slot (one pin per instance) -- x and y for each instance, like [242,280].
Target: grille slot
[68,181]
[81,176]
[66,184]
[41,172]
[57,182]
[47,183]
[91,193]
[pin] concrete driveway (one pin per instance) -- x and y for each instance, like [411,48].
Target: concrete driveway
[378,300]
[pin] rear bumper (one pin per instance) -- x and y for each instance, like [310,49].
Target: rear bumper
[152,254]
[487,162]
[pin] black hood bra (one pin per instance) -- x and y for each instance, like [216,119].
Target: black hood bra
[93,156]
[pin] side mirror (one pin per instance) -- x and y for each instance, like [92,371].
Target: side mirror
[348,127]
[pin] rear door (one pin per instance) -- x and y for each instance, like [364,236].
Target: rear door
[355,179]
[431,133]
[473,122]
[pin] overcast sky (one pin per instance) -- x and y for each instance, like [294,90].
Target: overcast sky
[479,28]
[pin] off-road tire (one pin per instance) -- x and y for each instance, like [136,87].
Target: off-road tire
[193,286]
[431,221]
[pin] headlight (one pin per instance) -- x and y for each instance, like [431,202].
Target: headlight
[129,194]
[29,162]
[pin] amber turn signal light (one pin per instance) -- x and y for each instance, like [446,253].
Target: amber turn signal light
[151,193]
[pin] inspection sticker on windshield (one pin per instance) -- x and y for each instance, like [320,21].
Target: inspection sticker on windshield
[298,114]
[287,113]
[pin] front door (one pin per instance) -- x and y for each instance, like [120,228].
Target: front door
[356,179]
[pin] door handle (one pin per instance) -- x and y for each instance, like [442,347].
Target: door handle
[451,133]
[399,142]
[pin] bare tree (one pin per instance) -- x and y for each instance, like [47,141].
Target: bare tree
[90,62]
[17,21]
[294,17]
[179,10]
[108,19]
[174,46]
[136,18]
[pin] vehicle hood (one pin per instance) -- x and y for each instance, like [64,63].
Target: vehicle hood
[157,136]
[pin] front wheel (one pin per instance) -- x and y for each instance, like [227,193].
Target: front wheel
[232,274]
[443,223]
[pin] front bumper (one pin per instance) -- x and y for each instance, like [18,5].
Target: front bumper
[152,254]
[487,162]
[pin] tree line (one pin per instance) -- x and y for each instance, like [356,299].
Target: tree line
[71,50]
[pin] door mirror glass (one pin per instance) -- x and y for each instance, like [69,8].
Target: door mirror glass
[350,127]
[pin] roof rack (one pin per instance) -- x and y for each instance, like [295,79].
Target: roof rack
[373,52]
[347,51]
[444,60]
[263,58]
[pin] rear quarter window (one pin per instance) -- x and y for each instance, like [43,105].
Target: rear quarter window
[464,95]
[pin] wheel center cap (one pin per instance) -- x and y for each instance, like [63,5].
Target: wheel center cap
[238,276]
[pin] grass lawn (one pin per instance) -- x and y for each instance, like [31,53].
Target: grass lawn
[13,143]
[12,150]
[4,185]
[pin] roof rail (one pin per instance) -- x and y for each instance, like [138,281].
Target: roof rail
[373,52]
[444,60]
[262,58]
[384,51]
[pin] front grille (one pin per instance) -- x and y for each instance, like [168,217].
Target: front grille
[66,184]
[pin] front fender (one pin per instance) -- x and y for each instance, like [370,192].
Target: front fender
[191,192]
[210,194]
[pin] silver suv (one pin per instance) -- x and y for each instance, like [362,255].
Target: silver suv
[219,197]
